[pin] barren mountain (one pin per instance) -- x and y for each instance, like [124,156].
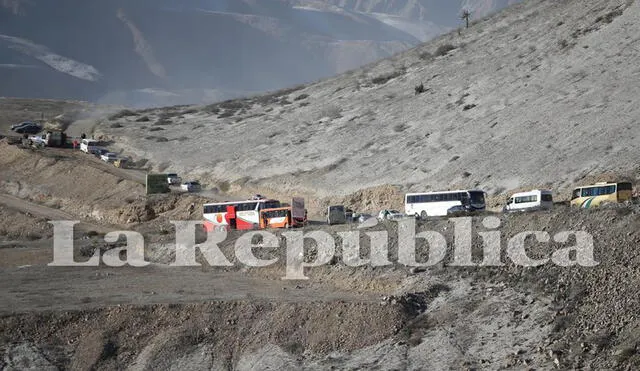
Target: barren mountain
[161,52]
[515,101]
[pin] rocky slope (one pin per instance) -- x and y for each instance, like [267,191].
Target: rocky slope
[513,102]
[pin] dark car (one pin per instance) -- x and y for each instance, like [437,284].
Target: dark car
[24,123]
[460,210]
[193,186]
[99,151]
[30,128]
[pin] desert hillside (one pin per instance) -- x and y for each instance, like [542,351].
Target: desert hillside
[540,94]
[158,52]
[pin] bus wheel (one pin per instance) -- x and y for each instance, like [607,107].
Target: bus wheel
[222,228]
[423,215]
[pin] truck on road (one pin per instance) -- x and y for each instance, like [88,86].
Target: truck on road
[50,139]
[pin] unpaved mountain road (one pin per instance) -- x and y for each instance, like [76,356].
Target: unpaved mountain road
[48,213]
[136,175]
[44,288]
[35,209]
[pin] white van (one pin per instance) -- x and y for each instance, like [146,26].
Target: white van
[536,199]
[89,145]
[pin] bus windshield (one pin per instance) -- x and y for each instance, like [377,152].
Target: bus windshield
[276,213]
[625,186]
[477,197]
[270,205]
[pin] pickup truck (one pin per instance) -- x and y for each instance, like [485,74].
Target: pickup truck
[173,179]
[109,157]
[37,140]
[50,139]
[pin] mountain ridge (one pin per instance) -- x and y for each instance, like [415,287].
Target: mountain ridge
[190,50]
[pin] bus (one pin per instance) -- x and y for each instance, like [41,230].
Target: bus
[281,217]
[597,194]
[443,203]
[536,199]
[285,216]
[236,214]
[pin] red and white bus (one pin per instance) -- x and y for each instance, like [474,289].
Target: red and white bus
[236,214]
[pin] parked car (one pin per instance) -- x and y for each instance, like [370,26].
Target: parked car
[29,128]
[109,157]
[389,214]
[22,124]
[193,186]
[364,217]
[99,151]
[173,179]
[458,210]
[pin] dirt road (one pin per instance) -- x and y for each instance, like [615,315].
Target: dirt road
[49,213]
[139,176]
[40,288]
[29,207]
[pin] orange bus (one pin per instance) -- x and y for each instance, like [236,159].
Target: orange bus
[284,217]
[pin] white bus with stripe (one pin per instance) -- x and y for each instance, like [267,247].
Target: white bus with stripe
[441,203]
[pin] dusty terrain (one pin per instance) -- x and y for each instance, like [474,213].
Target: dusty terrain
[388,317]
[361,141]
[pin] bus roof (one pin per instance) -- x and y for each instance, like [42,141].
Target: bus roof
[439,192]
[531,192]
[600,184]
[240,202]
[277,208]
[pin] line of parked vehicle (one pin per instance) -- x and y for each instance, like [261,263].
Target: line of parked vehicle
[173,180]
[260,212]
[418,205]
[92,146]
[191,186]
[460,202]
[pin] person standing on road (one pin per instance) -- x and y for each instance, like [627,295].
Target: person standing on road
[75,143]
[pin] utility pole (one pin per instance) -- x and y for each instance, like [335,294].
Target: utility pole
[466,14]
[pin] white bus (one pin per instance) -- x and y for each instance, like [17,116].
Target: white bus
[236,214]
[442,203]
[533,200]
